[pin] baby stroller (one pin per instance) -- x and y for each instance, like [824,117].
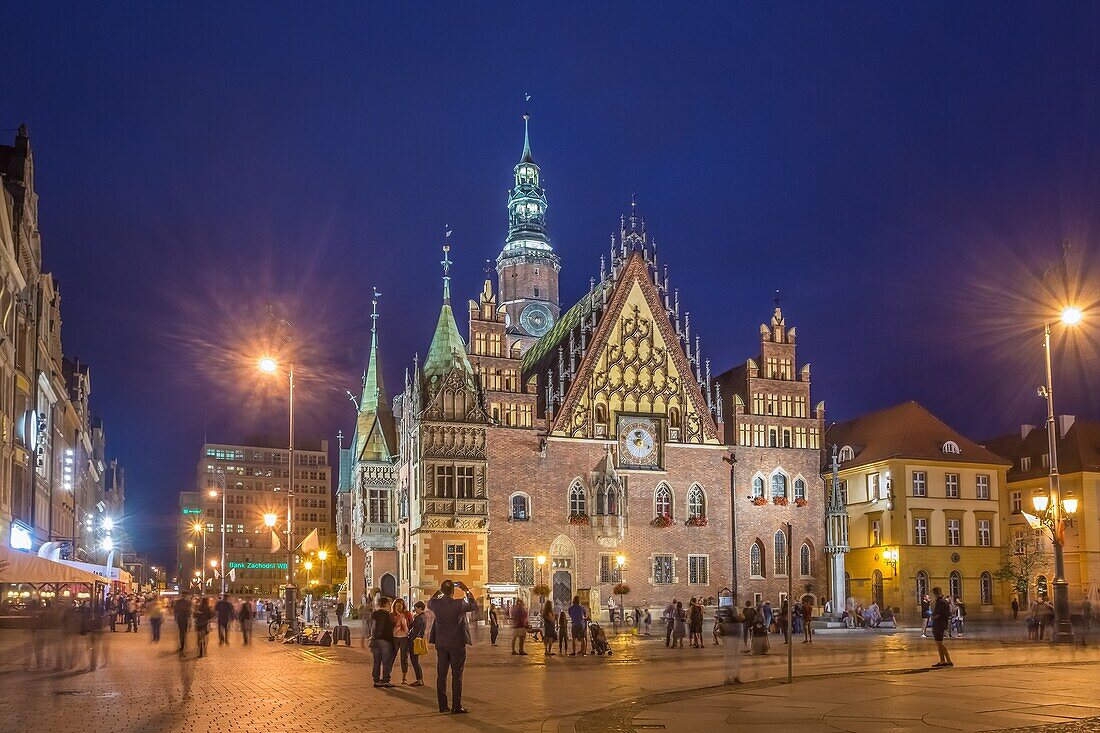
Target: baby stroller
[599,639]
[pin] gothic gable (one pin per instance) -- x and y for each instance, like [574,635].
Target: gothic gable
[634,364]
[455,398]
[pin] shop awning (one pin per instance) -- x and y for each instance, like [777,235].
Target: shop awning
[22,567]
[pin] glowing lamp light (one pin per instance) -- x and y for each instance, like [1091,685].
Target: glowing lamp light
[620,560]
[269,365]
[1041,500]
[542,559]
[270,519]
[107,544]
[190,545]
[322,555]
[309,565]
[1071,315]
[108,524]
[213,563]
[1069,503]
[213,493]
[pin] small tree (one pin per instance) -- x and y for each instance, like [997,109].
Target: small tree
[1018,568]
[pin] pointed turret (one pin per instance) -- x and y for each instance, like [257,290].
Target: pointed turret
[448,350]
[526,156]
[374,427]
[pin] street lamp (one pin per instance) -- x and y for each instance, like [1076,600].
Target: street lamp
[196,528]
[620,561]
[213,495]
[322,555]
[1053,509]
[890,557]
[308,565]
[541,559]
[268,365]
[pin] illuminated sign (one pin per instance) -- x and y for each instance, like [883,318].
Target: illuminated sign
[257,565]
[191,510]
[21,537]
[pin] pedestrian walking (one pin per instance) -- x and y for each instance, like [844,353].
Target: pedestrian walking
[224,610]
[960,616]
[96,625]
[648,619]
[748,618]
[578,619]
[728,628]
[519,627]
[494,625]
[156,618]
[418,644]
[669,617]
[679,630]
[340,607]
[381,643]
[941,617]
[244,618]
[182,611]
[451,636]
[926,613]
[203,616]
[807,621]
[1015,607]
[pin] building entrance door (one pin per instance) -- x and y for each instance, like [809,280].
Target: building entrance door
[563,589]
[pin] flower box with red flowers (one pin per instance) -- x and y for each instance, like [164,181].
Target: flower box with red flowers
[780,501]
[758,500]
[621,589]
[800,502]
[579,519]
[662,520]
[696,521]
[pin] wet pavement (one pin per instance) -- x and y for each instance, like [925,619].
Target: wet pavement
[845,681]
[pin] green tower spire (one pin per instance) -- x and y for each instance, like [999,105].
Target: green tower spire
[374,423]
[448,350]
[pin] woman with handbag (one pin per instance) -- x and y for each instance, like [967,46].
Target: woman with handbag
[418,644]
[402,620]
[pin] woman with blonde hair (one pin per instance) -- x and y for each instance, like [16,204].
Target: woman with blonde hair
[402,619]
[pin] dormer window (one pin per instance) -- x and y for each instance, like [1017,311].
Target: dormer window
[846,454]
[951,448]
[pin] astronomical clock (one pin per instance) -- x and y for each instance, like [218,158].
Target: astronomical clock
[639,440]
[536,319]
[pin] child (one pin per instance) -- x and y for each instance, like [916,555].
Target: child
[563,632]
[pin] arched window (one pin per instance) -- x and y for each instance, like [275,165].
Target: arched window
[780,541]
[757,487]
[951,447]
[697,502]
[612,502]
[521,508]
[847,585]
[846,454]
[1041,586]
[876,586]
[922,585]
[955,584]
[601,501]
[662,500]
[779,486]
[985,588]
[799,489]
[804,566]
[756,559]
[578,502]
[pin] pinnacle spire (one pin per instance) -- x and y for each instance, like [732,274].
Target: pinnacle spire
[373,427]
[446,262]
[447,349]
[526,157]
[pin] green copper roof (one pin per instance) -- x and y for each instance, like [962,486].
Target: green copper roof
[372,378]
[572,318]
[374,425]
[447,347]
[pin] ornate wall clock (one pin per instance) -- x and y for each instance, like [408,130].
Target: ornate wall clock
[639,441]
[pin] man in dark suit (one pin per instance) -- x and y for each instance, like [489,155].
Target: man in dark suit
[451,635]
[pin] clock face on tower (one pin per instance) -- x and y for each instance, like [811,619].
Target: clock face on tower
[536,319]
[639,442]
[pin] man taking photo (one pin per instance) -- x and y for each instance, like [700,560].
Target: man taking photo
[451,635]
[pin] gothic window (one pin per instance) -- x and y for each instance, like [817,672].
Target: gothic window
[465,482]
[799,489]
[663,501]
[612,502]
[779,486]
[523,570]
[773,438]
[985,587]
[756,559]
[378,506]
[804,557]
[601,501]
[786,437]
[922,585]
[697,503]
[521,508]
[955,583]
[757,486]
[577,500]
[780,541]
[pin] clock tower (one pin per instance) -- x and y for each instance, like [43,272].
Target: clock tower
[527,267]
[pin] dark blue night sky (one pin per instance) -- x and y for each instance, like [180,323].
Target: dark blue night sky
[903,177]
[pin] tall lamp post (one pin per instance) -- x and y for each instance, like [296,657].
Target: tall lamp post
[213,495]
[270,366]
[1052,508]
[322,555]
[199,527]
[541,560]
[620,562]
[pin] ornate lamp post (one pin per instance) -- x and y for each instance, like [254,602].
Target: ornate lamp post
[541,559]
[270,366]
[620,562]
[1053,510]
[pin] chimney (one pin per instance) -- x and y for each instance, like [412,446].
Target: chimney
[1025,430]
[1065,422]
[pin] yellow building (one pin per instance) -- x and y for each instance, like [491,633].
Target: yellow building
[1079,466]
[924,509]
